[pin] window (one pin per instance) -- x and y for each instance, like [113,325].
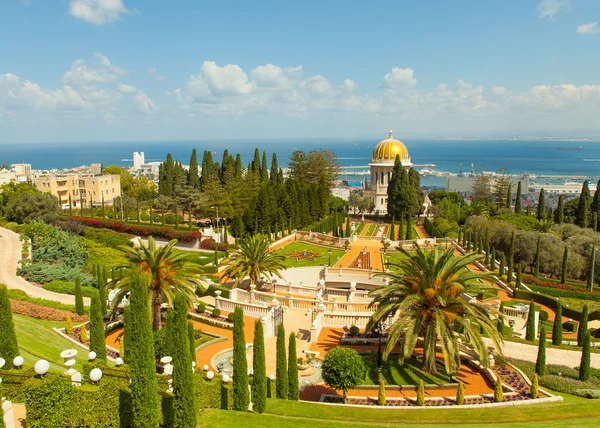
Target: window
[382,200]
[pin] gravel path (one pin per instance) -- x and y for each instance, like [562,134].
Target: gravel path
[562,357]
[10,254]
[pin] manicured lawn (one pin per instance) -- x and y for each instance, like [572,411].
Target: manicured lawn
[371,229]
[322,259]
[203,338]
[405,374]
[359,228]
[393,259]
[573,411]
[37,341]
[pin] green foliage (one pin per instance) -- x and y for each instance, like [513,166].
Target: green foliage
[540,364]
[593,394]
[66,287]
[259,380]
[343,369]
[184,412]
[32,206]
[83,334]
[557,329]
[69,326]
[281,365]
[381,394]
[534,392]
[498,391]
[97,343]
[210,291]
[522,221]
[42,273]
[583,324]
[107,238]
[584,365]
[201,308]
[240,363]
[79,308]
[530,333]
[192,340]
[9,348]
[140,356]
[49,401]
[294,387]
[216,312]
[354,330]
[59,246]
[421,393]
[460,394]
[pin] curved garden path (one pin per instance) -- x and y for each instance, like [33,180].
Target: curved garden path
[10,254]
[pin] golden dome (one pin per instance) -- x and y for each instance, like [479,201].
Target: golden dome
[387,150]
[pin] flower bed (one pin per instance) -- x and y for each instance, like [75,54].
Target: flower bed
[209,319]
[549,283]
[139,230]
[43,313]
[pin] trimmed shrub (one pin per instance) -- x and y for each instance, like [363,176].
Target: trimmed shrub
[570,326]
[184,412]
[534,392]
[460,394]
[210,291]
[216,312]
[201,308]
[530,333]
[343,369]
[9,348]
[540,365]
[543,315]
[557,329]
[240,363]
[584,365]
[421,393]
[583,325]
[354,331]
[281,365]
[294,387]
[593,394]
[79,308]
[498,392]
[259,379]
[97,343]
[69,326]
[49,401]
[67,287]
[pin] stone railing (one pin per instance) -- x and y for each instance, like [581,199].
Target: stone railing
[347,320]
[515,312]
[250,309]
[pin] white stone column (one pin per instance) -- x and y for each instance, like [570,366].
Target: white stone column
[252,295]
[218,299]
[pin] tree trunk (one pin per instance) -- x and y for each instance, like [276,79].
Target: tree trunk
[156,304]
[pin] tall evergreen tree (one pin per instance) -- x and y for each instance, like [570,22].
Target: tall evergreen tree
[274,169]
[255,166]
[518,279]
[540,364]
[264,171]
[591,269]
[557,328]
[559,214]
[259,380]
[536,269]
[518,203]
[184,411]
[140,356]
[530,332]
[166,176]
[281,365]
[541,207]
[563,274]
[79,308]
[493,259]
[9,348]
[294,387]
[583,325]
[502,265]
[509,195]
[192,340]
[584,365]
[240,363]
[595,206]
[97,343]
[582,214]
[511,256]
[193,175]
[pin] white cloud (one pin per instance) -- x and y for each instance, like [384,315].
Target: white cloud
[126,89]
[591,28]
[551,8]
[227,80]
[98,12]
[105,62]
[399,77]
[141,101]
[152,72]
[81,73]
[273,76]
[499,90]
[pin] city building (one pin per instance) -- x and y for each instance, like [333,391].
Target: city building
[83,189]
[463,184]
[381,166]
[18,173]
[138,160]
[96,168]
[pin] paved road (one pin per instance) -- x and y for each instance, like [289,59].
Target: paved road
[10,254]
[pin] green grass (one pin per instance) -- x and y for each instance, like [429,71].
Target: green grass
[393,259]
[573,411]
[204,338]
[401,374]
[371,229]
[38,341]
[321,260]
[359,229]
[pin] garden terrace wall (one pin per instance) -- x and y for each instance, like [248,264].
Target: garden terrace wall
[141,230]
[551,302]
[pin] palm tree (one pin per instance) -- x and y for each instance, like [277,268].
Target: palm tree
[545,226]
[167,272]
[424,297]
[252,258]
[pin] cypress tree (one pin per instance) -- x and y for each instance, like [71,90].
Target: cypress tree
[193,175]
[348,228]
[511,256]
[502,264]
[518,204]
[594,223]
[294,387]
[518,280]
[591,269]
[559,214]
[493,260]
[274,169]
[103,290]
[541,208]
[192,340]
[408,227]
[190,215]
[140,356]
[421,393]
[151,211]
[79,309]
[460,394]
[259,380]
[557,329]
[103,212]
[97,343]
[530,333]
[281,365]
[69,326]
[536,269]
[583,325]
[563,273]
[498,391]
[70,205]
[500,319]
[595,206]
[584,365]
[534,392]
[509,195]
[264,171]
[176,215]
[400,230]
[582,213]
[240,363]
[9,348]
[184,412]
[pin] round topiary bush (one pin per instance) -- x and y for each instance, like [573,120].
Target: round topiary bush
[354,331]
[231,316]
[543,315]
[216,312]
[201,307]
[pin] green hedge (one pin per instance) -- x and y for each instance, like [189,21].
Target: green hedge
[551,303]
[568,294]
[108,238]
[431,229]
[66,287]
[210,291]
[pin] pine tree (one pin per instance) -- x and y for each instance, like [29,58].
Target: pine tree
[584,365]
[541,207]
[557,329]
[518,204]
[69,326]
[184,412]
[536,269]
[498,391]
[591,269]
[193,175]
[421,393]
[540,364]
[264,171]
[281,365]
[240,363]
[583,325]
[460,394]
[563,274]
[192,340]
[559,214]
[582,214]
[259,380]
[140,356]
[274,169]
[509,195]
[294,387]
[9,348]
[530,333]
[97,343]
[534,392]
[79,309]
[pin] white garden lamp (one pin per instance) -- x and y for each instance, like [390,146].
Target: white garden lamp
[2,362]
[226,378]
[18,362]
[95,375]
[119,361]
[210,375]
[205,368]
[92,356]
[272,377]
[42,367]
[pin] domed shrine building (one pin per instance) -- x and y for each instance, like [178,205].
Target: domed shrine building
[381,165]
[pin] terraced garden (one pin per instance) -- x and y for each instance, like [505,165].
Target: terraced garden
[321,252]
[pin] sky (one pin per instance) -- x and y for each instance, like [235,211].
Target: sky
[120,70]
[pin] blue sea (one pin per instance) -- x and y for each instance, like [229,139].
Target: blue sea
[538,157]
